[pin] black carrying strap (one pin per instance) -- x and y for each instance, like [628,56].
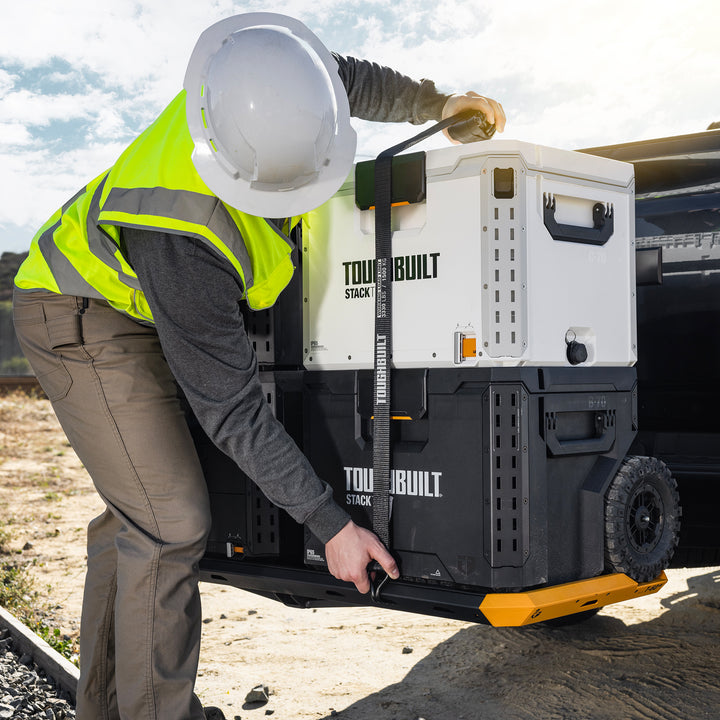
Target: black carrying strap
[383,323]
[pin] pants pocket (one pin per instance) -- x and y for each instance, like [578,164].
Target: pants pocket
[64,330]
[56,382]
[41,339]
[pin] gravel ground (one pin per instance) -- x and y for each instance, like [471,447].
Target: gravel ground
[26,693]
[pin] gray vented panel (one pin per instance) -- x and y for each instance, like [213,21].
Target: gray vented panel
[504,269]
[260,330]
[263,516]
[506,478]
[269,391]
[263,521]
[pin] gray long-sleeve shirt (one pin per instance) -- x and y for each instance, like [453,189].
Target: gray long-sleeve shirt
[195,299]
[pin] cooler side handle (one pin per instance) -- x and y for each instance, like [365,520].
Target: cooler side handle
[599,234]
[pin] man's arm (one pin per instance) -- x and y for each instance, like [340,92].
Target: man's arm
[194,296]
[382,94]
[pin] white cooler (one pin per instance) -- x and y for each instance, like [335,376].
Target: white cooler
[519,254]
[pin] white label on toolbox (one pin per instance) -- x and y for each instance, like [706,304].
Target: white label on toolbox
[420,483]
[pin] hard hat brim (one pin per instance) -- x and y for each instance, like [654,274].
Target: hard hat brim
[232,188]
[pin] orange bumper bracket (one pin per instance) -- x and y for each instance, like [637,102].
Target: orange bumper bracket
[525,608]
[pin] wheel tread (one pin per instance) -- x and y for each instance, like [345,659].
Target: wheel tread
[620,555]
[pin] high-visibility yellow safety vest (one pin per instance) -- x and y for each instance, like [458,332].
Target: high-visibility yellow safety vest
[152,186]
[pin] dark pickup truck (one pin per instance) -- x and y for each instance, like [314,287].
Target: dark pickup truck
[677,209]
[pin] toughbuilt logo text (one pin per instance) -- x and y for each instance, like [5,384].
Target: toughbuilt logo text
[381,372]
[418,483]
[423,266]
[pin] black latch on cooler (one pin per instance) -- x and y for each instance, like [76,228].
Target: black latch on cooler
[409,394]
[576,351]
[408,181]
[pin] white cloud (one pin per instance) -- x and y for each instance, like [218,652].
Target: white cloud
[7,82]
[109,124]
[35,109]
[89,74]
[14,135]
[33,185]
[615,67]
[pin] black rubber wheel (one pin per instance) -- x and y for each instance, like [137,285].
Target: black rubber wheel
[642,519]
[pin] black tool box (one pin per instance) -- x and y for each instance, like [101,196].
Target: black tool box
[466,509]
[498,474]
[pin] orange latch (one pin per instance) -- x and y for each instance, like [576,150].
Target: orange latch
[469,347]
[465,345]
[232,549]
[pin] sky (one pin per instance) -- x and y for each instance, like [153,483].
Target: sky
[80,79]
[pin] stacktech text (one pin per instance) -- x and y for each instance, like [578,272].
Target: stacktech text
[360,275]
[421,483]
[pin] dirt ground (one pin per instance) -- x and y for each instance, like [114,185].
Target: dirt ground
[652,658]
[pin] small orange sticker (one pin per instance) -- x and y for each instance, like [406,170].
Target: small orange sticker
[396,204]
[469,347]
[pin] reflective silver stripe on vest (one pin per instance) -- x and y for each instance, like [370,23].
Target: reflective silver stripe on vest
[68,279]
[186,206]
[101,245]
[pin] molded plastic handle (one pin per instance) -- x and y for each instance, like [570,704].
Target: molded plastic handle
[600,442]
[599,234]
[587,446]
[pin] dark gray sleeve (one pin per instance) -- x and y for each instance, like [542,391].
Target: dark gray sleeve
[385,95]
[194,296]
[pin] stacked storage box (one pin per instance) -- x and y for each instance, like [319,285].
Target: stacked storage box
[514,344]
[518,246]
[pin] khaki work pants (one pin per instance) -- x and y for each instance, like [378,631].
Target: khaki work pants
[117,402]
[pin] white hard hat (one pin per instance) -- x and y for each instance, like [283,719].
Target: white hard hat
[268,114]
